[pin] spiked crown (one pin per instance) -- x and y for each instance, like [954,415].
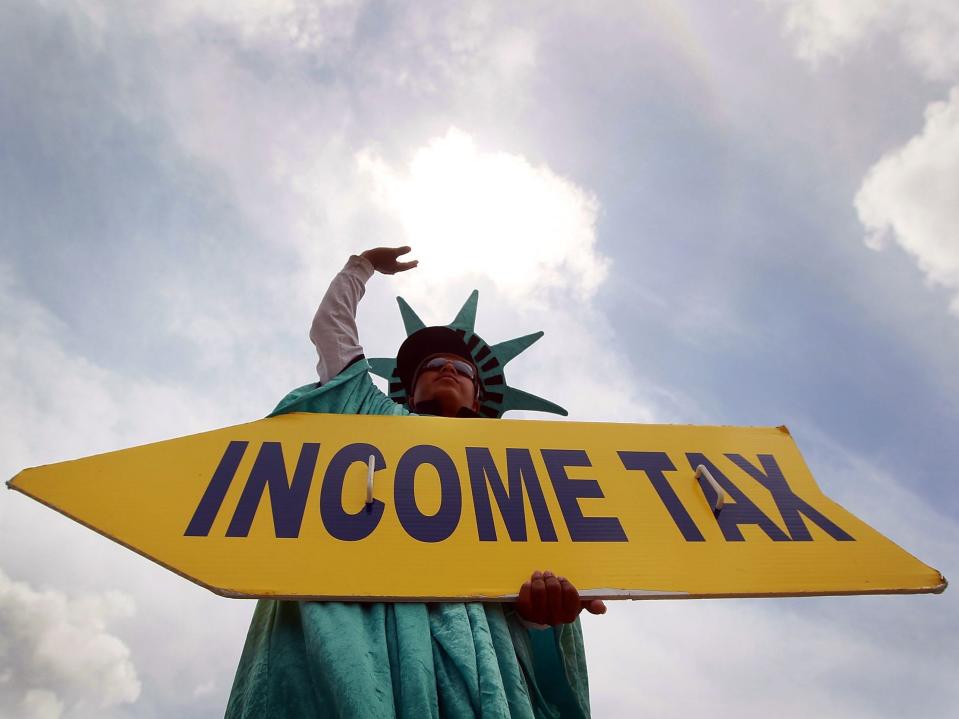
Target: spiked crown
[490,360]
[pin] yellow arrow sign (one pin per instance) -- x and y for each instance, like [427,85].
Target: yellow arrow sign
[344,506]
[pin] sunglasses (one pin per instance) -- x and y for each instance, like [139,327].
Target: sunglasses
[462,368]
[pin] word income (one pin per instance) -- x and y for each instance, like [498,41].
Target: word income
[288,497]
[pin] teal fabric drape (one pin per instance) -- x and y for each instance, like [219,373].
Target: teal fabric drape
[404,660]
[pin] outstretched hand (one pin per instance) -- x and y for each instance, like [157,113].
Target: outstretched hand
[385,259]
[548,599]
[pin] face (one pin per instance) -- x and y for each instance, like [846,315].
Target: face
[445,385]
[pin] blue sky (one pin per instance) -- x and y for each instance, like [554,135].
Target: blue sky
[738,213]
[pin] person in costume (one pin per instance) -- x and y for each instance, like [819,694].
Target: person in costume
[414,660]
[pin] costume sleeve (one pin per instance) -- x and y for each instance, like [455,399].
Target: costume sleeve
[334,330]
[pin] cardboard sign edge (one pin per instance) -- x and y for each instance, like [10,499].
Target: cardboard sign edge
[604,593]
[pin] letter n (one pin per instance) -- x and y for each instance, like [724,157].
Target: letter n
[287,499]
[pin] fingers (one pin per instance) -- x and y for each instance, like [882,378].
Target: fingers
[554,599]
[571,605]
[404,266]
[539,600]
[529,604]
[385,259]
[595,606]
[549,599]
[394,265]
[524,603]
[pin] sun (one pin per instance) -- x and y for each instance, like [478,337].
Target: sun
[492,214]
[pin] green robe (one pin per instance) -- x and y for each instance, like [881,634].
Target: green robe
[406,660]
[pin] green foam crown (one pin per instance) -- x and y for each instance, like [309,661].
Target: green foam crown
[498,397]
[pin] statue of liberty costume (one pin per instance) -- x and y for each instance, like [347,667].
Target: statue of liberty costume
[404,660]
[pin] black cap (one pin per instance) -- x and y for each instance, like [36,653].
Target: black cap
[424,343]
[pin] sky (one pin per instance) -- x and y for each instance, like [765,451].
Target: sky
[720,213]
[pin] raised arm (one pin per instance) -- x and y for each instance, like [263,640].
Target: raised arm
[333,331]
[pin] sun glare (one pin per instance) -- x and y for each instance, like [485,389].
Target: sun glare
[493,214]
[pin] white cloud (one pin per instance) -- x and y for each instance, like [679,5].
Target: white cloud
[925,29]
[298,24]
[301,24]
[58,652]
[472,213]
[822,28]
[41,704]
[911,196]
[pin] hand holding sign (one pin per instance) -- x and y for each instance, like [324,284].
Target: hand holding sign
[552,600]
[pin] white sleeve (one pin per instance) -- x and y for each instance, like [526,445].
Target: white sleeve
[334,326]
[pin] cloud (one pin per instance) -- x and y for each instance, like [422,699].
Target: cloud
[41,704]
[925,29]
[526,237]
[56,651]
[910,196]
[491,214]
[823,29]
[297,24]
[300,24]
[56,405]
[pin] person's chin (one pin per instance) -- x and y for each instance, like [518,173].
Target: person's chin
[446,392]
